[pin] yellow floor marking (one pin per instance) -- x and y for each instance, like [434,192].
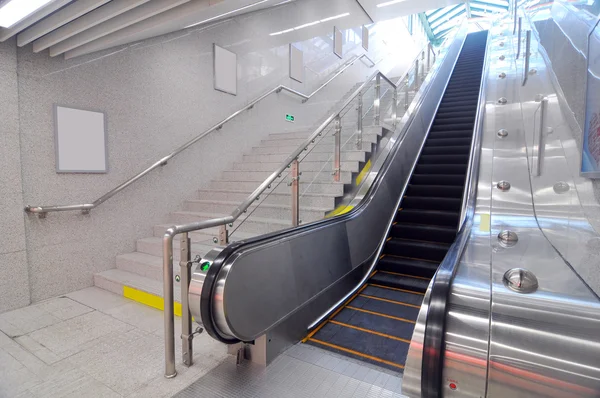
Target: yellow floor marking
[380,314]
[397,289]
[371,331]
[390,301]
[360,354]
[408,276]
[151,300]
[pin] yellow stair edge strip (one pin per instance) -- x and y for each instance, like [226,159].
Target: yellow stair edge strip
[151,300]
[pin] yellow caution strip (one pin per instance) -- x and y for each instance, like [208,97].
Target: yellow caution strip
[360,354]
[341,209]
[380,314]
[389,336]
[363,172]
[151,300]
[390,301]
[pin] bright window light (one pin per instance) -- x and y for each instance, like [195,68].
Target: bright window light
[309,24]
[226,13]
[15,10]
[389,3]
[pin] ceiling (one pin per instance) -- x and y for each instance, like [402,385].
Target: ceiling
[77,27]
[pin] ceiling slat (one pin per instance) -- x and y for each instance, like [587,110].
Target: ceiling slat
[58,19]
[112,25]
[86,21]
[33,18]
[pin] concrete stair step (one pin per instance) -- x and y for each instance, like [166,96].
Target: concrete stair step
[311,200]
[114,280]
[305,165]
[307,176]
[262,210]
[329,140]
[305,186]
[252,224]
[347,155]
[153,246]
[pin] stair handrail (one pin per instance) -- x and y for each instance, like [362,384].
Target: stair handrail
[222,222]
[85,208]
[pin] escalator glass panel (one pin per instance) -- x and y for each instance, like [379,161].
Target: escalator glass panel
[377,323]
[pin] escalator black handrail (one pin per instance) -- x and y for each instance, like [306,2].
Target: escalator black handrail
[435,321]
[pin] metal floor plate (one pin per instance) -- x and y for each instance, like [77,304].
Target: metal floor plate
[302,371]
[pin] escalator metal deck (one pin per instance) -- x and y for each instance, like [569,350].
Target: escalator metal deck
[376,324]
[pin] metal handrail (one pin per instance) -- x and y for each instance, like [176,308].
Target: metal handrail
[222,222]
[85,208]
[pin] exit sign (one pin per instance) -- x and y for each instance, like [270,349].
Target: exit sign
[290,118]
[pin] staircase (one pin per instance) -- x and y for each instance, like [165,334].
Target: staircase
[138,275]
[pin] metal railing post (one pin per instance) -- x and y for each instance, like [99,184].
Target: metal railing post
[519,39]
[422,64]
[169,316]
[377,99]
[406,92]
[541,143]
[337,150]
[359,123]
[527,51]
[515,9]
[295,184]
[223,239]
[428,56]
[416,74]
[395,107]
[185,264]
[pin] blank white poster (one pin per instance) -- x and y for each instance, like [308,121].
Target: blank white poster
[80,141]
[225,70]
[337,42]
[365,38]
[296,64]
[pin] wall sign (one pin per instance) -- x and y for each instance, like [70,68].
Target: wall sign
[80,140]
[337,42]
[296,64]
[365,38]
[225,70]
[290,118]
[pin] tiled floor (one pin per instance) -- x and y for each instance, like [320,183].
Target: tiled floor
[92,343]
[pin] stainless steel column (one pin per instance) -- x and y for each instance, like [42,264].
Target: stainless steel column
[527,51]
[406,92]
[295,184]
[169,316]
[542,135]
[359,123]
[223,235]
[185,263]
[395,107]
[519,38]
[416,74]
[377,99]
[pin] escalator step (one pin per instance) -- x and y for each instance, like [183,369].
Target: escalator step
[445,142]
[424,232]
[451,134]
[408,266]
[451,126]
[460,169]
[381,292]
[438,179]
[439,191]
[423,250]
[444,159]
[431,203]
[400,282]
[431,217]
[446,150]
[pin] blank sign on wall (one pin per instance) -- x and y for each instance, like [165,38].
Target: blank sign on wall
[225,70]
[337,42]
[80,139]
[365,38]
[296,64]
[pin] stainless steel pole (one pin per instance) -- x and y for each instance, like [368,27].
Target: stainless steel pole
[169,316]
[519,39]
[395,107]
[515,9]
[185,263]
[223,235]
[542,134]
[359,124]
[406,91]
[337,149]
[295,193]
[527,51]
[377,99]
[416,75]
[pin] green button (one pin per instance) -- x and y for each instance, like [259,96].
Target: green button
[205,266]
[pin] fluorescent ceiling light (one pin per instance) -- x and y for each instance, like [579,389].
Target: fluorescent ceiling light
[15,10]
[226,13]
[309,24]
[389,3]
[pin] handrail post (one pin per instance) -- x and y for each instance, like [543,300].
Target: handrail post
[359,123]
[169,316]
[337,150]
[295,184]
[395,107]
[516,8]
[223,235]
[519,39]
[377,99]
[541,142]
[422,64]
[185,263]
[527,51]
[416,74]
[428,56]
[406,92]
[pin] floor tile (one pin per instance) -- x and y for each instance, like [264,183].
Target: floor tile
[63,308]
[72,384]
[98,299]
[26,320]
[140,316]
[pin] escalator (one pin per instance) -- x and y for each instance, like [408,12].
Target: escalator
[376,324]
